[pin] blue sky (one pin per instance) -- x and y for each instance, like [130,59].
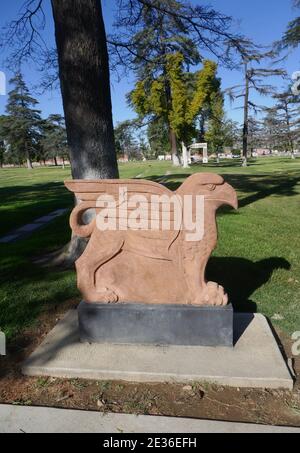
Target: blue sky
[261,20]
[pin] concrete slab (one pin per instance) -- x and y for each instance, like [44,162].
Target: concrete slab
[255,361]
[35,420]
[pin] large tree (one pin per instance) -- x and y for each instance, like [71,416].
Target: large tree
[2,140]
[85,85]
[54,141]
[254,81]
[150,31]
[189,92]
[125,137]
[291,37]
[82,59]
[158,137]
[22,126]
[271,129]
[287,114]
[215,135]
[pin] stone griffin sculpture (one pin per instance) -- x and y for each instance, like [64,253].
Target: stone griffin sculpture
[132,263]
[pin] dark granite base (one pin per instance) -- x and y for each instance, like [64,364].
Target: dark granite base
[156,324]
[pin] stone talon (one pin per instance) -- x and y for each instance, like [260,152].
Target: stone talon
[214,295]
[105,296]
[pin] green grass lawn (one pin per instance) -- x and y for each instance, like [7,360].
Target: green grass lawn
[257,259]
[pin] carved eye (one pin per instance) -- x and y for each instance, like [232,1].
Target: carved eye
[211,187]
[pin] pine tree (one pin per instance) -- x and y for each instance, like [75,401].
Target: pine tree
[2,140]
[54,141]
[291,37]
[23,122]
[161,36]
[124,138]
[254,80]
[287,112]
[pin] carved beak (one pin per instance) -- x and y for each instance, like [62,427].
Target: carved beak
[227,196]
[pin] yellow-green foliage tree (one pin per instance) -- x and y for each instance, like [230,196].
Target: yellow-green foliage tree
[215,134]
[177,96]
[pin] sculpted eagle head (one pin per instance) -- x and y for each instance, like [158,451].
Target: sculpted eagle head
[213,187]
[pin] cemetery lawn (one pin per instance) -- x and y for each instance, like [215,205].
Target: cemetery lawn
[257,261]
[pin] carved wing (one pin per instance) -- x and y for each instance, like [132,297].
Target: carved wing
[147,200]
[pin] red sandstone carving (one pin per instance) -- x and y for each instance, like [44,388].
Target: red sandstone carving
[148,266]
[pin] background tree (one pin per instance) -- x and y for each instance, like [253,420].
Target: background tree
[255,134]
[157,134]
[291,37]
[287,117]
[2,151]
[23,123]
[54,142]
[124,137]
[271,129]
[150,31]
[189,92]
[163,36]
[254,81]
[2,140]
[215,134]
[232,134]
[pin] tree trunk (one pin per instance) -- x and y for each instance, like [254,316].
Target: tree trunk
[290,137]
[246,120]
[174,151]
[55,162]
[28,159]
[185,157]
[85,86]
[29,163]
[202,128]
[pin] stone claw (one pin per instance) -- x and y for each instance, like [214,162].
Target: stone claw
[106,296]
[214,295]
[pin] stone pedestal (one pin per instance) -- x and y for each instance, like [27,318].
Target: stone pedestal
[254,361]
[156,324]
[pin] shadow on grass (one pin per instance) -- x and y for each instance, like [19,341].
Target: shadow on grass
[24,204]
[241,277]
[258,187]
[26,289]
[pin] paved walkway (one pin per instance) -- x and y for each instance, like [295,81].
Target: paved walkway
[27,230]
[16,419]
